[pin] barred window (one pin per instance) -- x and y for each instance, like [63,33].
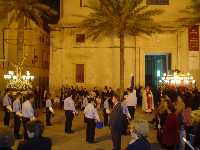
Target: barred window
[81,3]
[80,38]
[80,73]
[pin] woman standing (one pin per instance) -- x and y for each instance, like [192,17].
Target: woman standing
[49,110]
[162,114]
[187,117]
[171,129]
[180,107]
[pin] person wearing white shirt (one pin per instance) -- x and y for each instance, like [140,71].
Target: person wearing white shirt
[27,112]
[106,111]
[84,103]
[17,109]
[91,116]
[126,114]
[131,102]
[7,108]
[49,110]
[70,111]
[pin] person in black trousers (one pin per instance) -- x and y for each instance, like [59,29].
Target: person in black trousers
[106,111]
[17,109]
[28,113]
[91,116]
[116,123]
[126,115]
[68,123]
[7,108]
[49,110]
[35,139]
[7,139]
[70,112]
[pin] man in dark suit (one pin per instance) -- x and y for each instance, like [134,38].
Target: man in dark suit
[35,141]
[116,123]
[7,139]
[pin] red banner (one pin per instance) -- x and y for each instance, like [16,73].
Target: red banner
[193,38]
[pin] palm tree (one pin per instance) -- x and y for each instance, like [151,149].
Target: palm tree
[23,12]
[119,18]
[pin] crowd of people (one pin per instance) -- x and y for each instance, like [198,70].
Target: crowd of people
[172,119]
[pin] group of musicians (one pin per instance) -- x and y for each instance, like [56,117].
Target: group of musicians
[24,112]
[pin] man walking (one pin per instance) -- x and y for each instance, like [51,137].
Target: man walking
[106,111]
[49,110]
[132,102]
[116,123]
[7,108]
[91,116]
[70,112]
[17,109]
[27,112]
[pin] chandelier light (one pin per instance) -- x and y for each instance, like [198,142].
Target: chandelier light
[177,79]
[17,81]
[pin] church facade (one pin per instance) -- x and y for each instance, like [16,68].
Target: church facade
[75,60]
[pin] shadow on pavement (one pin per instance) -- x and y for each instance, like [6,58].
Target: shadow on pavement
[103,138]
[156,146]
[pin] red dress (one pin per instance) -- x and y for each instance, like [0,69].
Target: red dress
[171,130]
[149,100]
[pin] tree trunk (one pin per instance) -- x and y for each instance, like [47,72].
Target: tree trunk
[135,78]
[122,62]
[20,39]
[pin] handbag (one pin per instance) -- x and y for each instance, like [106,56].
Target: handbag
[99,125]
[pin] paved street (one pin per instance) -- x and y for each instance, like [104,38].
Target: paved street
[76,141]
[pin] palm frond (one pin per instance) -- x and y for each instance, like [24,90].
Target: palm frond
[5,8]
[45,9]
[36,16]
[191,13]
[31,9]
[13,16]
[114,16]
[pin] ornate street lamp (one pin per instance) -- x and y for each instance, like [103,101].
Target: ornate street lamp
[17,81]
[177,79]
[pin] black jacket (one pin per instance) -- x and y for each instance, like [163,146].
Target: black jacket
[197,137]
[116,118]
[140,144]
[41,143]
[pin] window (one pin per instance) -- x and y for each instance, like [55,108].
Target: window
[80,73]
[157,2]
[80,38]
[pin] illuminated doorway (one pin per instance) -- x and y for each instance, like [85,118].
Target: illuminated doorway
[155,66]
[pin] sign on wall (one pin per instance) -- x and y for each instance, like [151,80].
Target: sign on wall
[193,38]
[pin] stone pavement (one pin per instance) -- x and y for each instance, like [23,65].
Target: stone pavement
[76,141]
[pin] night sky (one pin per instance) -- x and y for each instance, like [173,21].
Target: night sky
[55,4]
